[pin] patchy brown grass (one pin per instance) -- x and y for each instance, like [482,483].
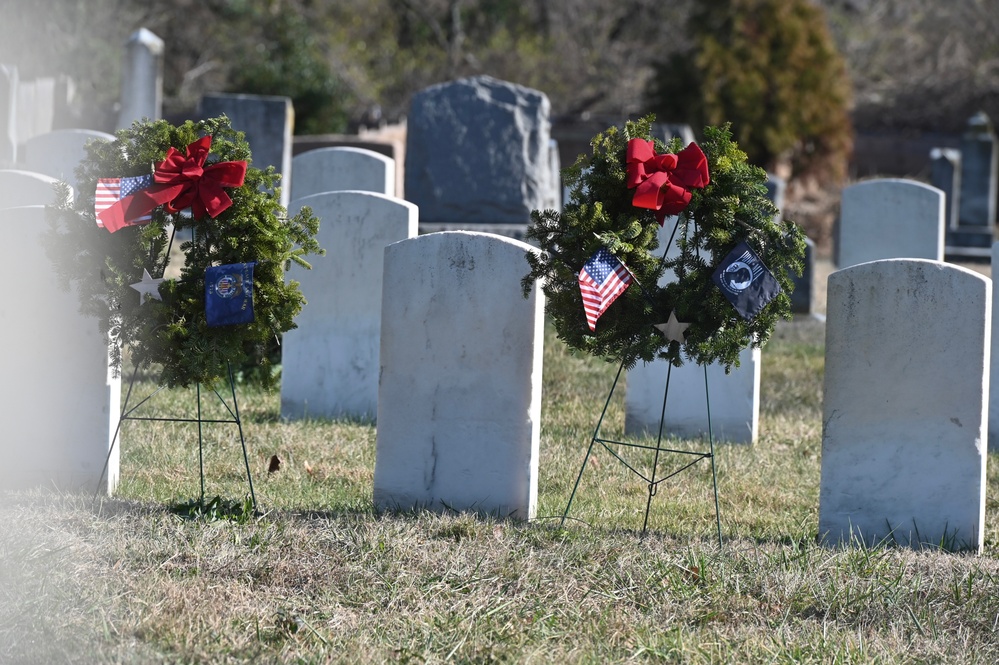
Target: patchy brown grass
[321,578]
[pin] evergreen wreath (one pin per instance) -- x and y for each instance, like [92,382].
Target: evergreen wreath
[732,208]
[172,332]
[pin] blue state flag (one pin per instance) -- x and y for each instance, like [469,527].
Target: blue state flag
[229,294]
[746,281]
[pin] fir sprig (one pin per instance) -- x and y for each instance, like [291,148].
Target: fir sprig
[734,207]
[173,334]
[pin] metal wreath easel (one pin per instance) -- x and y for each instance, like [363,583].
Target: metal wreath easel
[651,479]
[127,414]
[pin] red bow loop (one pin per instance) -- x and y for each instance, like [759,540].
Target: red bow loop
[181,181]
[186,183]
[663,182]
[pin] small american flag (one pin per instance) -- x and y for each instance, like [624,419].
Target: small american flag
[111,190]
[602,279]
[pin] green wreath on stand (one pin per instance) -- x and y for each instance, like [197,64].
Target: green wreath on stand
[600,272]
[229,300]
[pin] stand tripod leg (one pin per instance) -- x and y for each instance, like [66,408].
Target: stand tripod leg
[596,435]
[242,440]
[711,444]
[201,454]
[659,441]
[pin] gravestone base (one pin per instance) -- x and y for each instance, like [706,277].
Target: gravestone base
[969,242]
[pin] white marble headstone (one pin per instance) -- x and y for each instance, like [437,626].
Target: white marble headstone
[734,397]
[329,364]
[341,168]
[459,401]
[268,121]
[904,411]
[61,404]
[26,188]
[890,218]
[58,153]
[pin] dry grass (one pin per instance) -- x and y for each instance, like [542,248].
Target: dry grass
[321,578]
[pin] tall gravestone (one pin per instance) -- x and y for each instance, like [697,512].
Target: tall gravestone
[8,115]
[330,361]
[26,188]
[978,175]
[890,218]
[58,153]
[268,123]
[61,404]
[734,397]
[142,79]
[478,154]
[459,399]
[341,168]
[904,408]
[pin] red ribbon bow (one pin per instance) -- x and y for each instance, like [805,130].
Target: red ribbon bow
[663,182]
[181,181]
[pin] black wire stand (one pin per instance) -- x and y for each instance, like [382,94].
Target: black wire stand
[127,413]
[652,479]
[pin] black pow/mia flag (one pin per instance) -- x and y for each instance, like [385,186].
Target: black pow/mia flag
[745,281]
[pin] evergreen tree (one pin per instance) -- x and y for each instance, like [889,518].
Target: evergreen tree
[771,69]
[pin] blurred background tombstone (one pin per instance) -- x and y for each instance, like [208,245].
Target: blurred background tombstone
[142,79]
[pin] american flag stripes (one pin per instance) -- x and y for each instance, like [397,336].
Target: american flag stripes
[602,279]
[111,190]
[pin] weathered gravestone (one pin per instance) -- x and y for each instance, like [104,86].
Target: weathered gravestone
[61,403]
[341,168]
[58,153]
[142,79]
[26,188]
[8,115]
[478,154]
[890,218]
[268,124]
[459,400]
[734,397]
[329,364]
[904,420]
